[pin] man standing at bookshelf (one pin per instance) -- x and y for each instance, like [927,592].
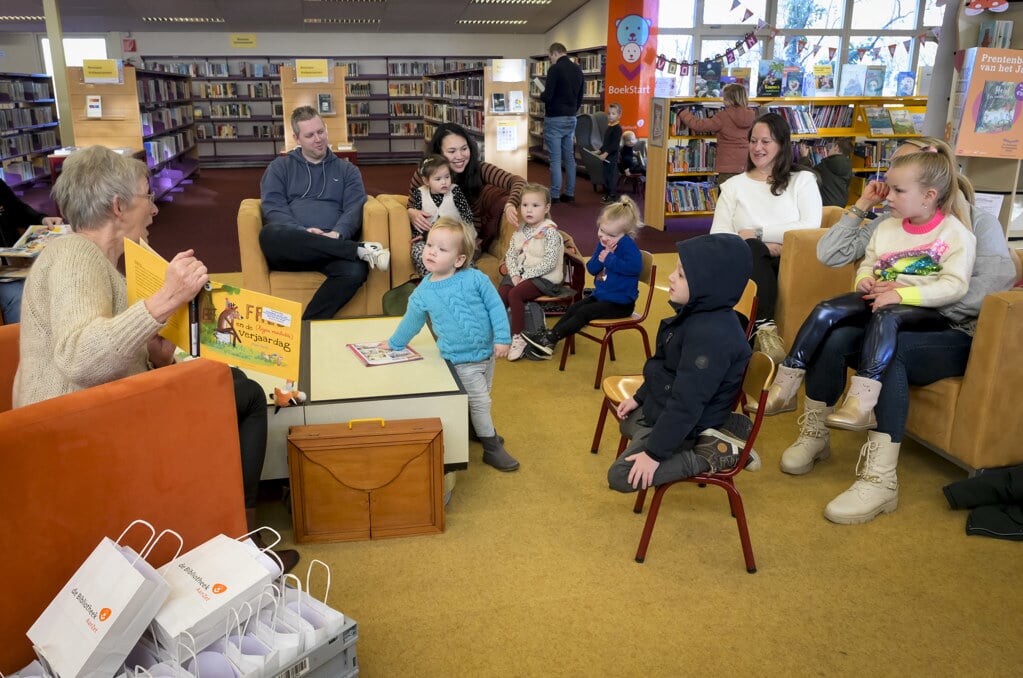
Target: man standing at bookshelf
[312,214]
[562,96]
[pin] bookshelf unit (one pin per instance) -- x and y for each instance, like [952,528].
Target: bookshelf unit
[454,93]
[593,62]
[680,174]
[237,106]
[149,112]
[28,127]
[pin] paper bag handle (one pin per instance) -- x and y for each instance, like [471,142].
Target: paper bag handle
[309,572]
[139,521]
[298,585]
[269,529]
[152,544]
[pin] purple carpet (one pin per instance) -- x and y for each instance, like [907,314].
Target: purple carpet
[203,214]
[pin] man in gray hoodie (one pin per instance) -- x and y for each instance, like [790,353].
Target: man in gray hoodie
[312,217]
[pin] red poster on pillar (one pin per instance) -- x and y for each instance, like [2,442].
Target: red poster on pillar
[631,58]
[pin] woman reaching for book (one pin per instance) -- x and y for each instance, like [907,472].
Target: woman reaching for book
[77,329]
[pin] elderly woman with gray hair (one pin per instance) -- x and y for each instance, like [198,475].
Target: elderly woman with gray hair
[77,329]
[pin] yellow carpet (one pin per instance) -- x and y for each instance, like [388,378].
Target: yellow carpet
[535,574]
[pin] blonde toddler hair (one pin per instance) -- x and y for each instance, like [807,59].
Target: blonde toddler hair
[936,171]
[466,237]
[623,210]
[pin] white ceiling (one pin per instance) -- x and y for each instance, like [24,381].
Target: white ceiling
[396,16]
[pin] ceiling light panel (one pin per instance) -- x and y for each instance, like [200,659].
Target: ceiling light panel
[492,22]
[183,19]
[22,18]
[511,2]
[335,20]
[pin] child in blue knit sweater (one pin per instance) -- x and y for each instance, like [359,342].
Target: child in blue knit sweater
[469,321]
[615,266]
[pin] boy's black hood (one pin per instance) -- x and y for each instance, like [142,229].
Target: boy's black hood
[717,266]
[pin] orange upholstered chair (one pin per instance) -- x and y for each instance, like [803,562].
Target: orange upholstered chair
[759,376]
[161,446]
[612,326]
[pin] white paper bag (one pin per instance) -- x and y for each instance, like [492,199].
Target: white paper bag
[267,627]
[251,656]
[326,620]
[99,615]
[206,583]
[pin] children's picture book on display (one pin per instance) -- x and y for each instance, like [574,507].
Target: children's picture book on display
[498,103]
[873,81]
[985,112]
[741,75]
[769,78]
[902,121]
[905,84]
[373,353]
[878,120]
[851,82]
[707,80]
[823,80]
[246,329]
[792,76]
[34,240]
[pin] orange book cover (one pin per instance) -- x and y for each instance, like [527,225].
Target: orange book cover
[988,103]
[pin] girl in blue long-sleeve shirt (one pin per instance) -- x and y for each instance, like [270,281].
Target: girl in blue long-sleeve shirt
[615,267]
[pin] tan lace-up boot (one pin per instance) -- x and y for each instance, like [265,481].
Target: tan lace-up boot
[813,443]
[876,489]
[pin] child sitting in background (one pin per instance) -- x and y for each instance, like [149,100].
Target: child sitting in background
[437,197]
[535,261]
[470,323]
[835,170]
[609,151]
[677,419]
[615,267]
[631,162]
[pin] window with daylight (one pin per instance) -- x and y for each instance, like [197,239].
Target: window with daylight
[809,33]
[75,50]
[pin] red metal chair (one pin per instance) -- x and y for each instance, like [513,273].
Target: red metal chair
[759,376]
[613,325]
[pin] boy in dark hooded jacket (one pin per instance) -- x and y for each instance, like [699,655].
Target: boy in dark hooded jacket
[690,384]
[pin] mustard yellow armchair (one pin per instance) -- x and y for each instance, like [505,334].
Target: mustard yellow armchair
[300,286]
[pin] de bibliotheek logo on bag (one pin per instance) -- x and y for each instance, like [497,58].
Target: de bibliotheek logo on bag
[102,615]
[202,587]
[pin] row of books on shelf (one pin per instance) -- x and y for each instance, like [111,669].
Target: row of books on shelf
[470,87]
[875,154]
[407,108]
[691,196]
[405,89]
[593,88]
[231,131]
[227,111]
[15,172]
[215,90]
[357,108]
[12,118]
[412,68]
[430,128]
[589,63]
[157,90]
[468,117]
[358,129]
[358,89]
[163,119]
[536,128]
[696,155]
[167,147]
[217,69]
[28,142]
[406,129]
[24,90]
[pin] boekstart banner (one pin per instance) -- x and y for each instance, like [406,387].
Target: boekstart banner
[631,61]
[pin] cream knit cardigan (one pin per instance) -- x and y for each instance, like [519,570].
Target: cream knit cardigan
[77,330]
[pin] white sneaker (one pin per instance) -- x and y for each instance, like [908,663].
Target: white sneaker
[518,347]
[374,254]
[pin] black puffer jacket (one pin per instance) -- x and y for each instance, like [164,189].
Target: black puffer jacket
[692,380]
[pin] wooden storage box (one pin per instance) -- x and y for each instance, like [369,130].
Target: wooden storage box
[367,479]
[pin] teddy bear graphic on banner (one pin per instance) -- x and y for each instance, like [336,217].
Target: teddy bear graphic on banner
[633,32]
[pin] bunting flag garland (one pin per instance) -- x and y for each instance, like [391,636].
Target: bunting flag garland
[750,40]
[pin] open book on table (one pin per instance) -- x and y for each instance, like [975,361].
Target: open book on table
[372,353]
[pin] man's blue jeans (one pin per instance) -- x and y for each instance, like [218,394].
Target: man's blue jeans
[559,135]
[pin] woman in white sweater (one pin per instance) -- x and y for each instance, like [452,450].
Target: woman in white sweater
[774,195]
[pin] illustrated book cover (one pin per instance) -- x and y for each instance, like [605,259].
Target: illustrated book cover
[851,83]
[986,111]
[878,120]
[373,353]
[873,81]
[902,121]
[707,80]
[823,80]
[34,240]
[905,84]
[792,77]
[769,77]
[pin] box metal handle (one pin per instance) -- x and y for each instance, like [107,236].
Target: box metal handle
[353,422]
